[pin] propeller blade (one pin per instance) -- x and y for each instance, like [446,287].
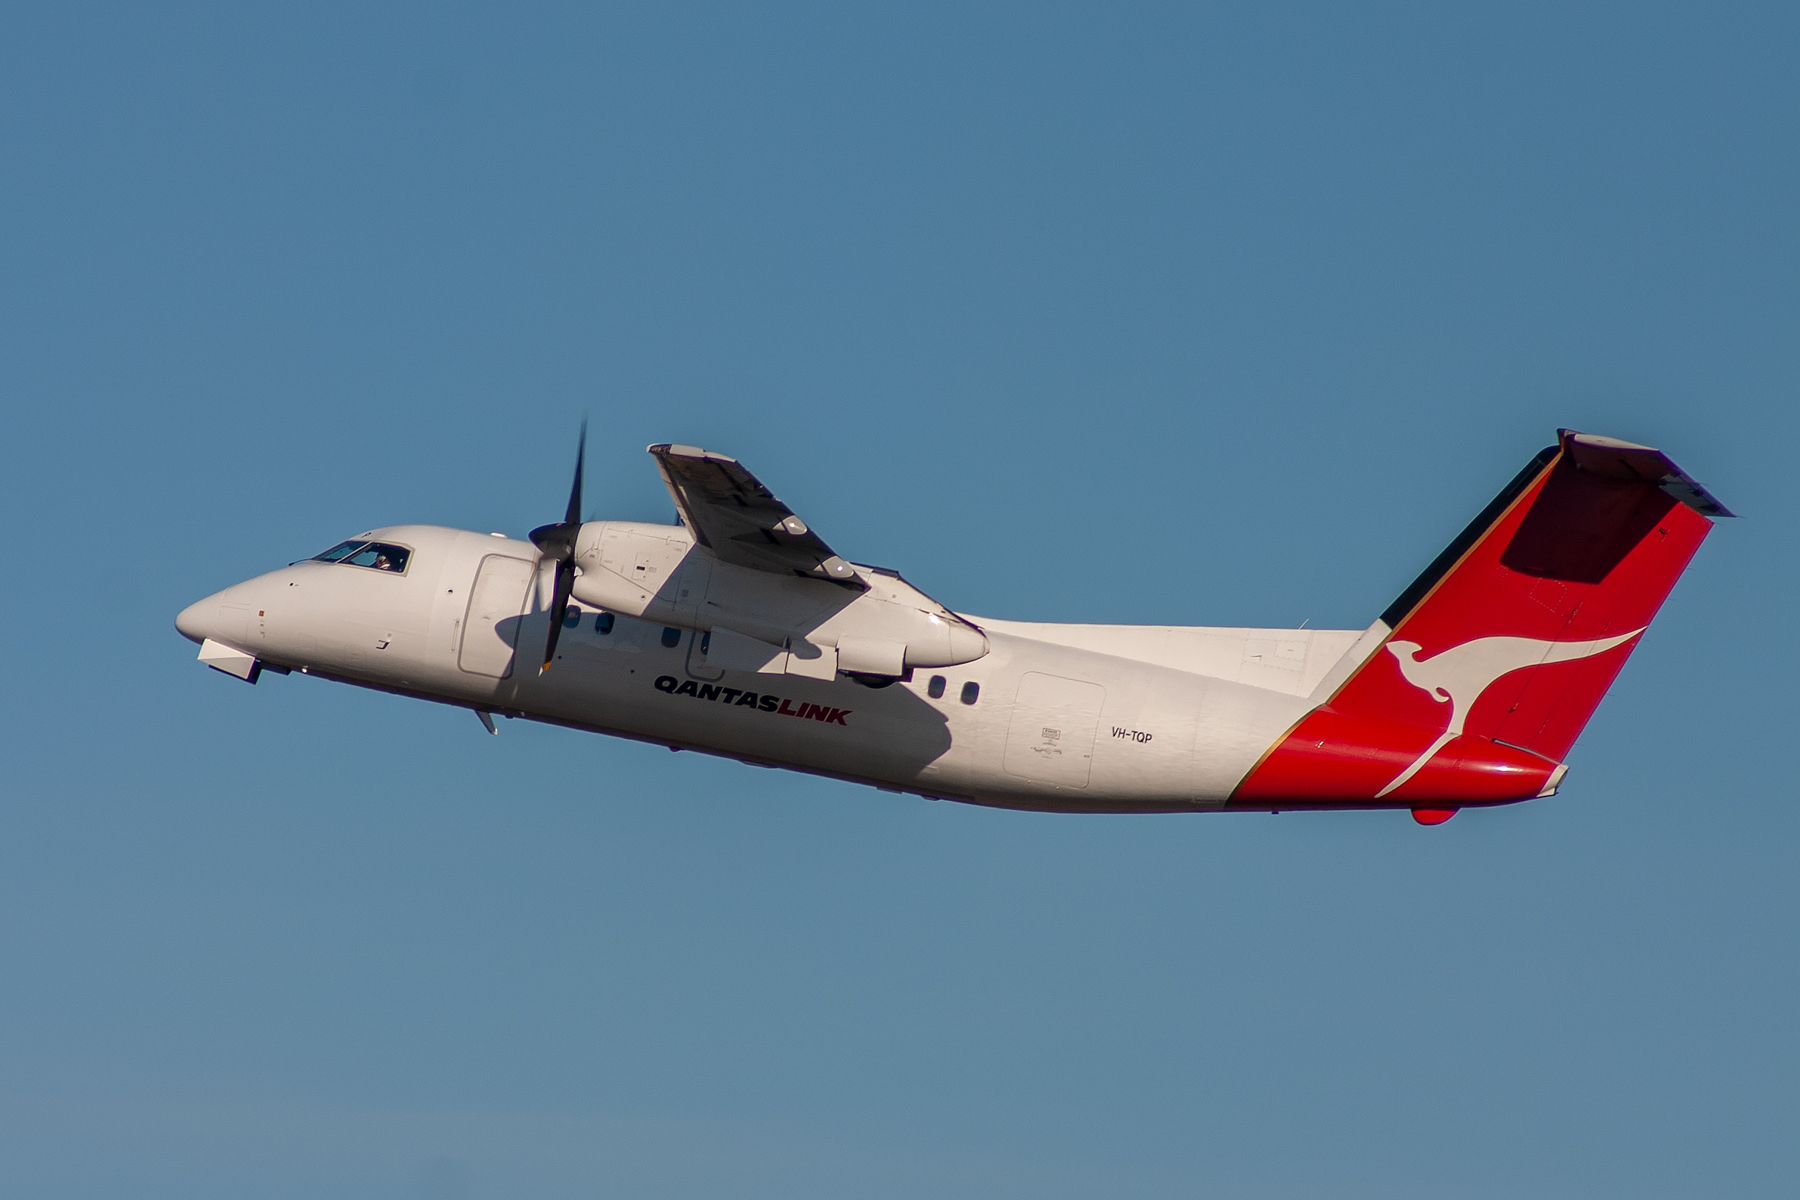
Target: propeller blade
[574,514]
[558,542]
[559,608]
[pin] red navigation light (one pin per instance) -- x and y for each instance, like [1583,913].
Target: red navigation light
[1433,816]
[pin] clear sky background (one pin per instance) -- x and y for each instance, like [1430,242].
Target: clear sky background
[1122,313]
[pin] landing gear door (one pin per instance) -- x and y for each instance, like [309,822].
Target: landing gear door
[496,610]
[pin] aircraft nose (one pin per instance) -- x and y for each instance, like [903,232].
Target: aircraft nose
[195,622]
[225,616]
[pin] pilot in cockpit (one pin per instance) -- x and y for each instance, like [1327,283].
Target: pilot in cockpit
[378,555]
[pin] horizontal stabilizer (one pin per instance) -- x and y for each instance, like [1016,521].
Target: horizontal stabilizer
[1625,460]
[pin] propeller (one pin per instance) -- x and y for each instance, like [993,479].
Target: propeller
[558,542]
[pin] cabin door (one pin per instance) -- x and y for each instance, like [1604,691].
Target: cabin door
[1052,735]
[496,610]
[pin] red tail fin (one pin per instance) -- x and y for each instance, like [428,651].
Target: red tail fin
[1499,653]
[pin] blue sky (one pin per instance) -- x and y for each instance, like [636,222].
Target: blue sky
[1109,313]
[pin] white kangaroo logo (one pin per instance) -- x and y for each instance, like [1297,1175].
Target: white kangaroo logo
[1462,673]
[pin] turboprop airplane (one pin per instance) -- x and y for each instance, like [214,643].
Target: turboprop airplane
[739,632]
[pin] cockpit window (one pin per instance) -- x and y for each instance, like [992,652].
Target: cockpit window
[381,556]
[360,552]
[340,551]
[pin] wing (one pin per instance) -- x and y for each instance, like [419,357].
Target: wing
[739,521]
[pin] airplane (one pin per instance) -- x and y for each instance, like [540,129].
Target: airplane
[739,632]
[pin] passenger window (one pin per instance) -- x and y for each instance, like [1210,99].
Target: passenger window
[671,638]
[603,623]
[971,692]
[572,617]
[935,689]
[381,556]
[340,551]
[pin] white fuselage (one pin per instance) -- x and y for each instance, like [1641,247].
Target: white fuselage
[1060,717]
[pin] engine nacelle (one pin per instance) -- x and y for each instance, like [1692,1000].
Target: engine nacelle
[881,626]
